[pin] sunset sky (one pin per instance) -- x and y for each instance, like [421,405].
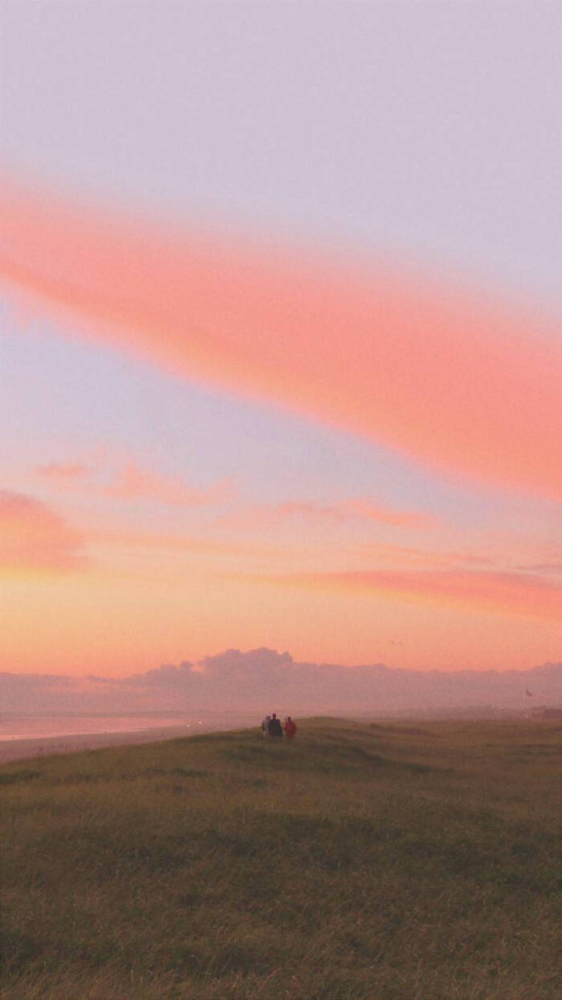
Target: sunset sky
[280,345]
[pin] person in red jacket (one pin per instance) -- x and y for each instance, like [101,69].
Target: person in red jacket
[290,728]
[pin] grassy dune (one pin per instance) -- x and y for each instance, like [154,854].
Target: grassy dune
[359,862]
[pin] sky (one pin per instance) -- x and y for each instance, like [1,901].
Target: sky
[280,334]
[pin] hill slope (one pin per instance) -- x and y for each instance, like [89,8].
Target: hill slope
[358,862]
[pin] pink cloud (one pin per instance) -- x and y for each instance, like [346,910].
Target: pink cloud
[450,378]
[256,680]
[32,536]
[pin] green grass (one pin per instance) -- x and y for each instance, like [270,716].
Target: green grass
[358,862]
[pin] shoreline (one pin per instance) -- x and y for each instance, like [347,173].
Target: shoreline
[26,748]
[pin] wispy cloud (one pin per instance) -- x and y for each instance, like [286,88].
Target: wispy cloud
[381,552]
[452,379]
[364,510]
[174,542]
[509,593]
[551,568]
[135,483]
[130,481]
[63,472]
[354,509]
[32,536]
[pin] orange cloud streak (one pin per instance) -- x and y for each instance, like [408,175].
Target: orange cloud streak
[33,537]
[498,593]
[450,379]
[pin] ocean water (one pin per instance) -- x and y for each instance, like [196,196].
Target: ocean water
[40,726]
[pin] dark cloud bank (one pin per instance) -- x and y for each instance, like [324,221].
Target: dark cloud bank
[262,679]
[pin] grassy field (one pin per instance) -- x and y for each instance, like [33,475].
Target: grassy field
[361,861]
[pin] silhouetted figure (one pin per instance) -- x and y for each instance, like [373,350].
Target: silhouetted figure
[265,725]
[290,728]
[275,727]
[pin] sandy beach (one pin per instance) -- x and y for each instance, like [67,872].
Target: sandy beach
[24,749]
